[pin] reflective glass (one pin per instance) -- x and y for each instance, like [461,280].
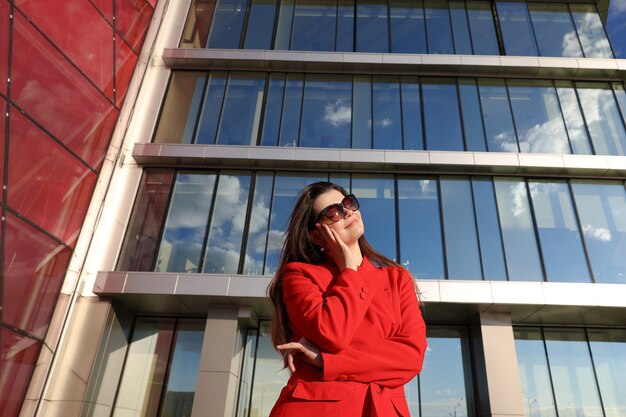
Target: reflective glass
[534,373]
[362,112]
[605,124]
[180,386]
[241,111]
[290,127]
[489,235]
[258,224]
[372,26]
[228,219]
[442,118]
[538,119]
[591,31]
[146,221]
[387,116]
[459,226]
[227,24]
[4,45]
[576,128]
[181,107]
[620,95]
[273,110]
[408,30]
[125,61]
[185,227]
[105,7]
[377,206]
[517,32]
[132,18]
[411,113]
[602,210]
[345,26]
[481,22]
[553,25]
[615,28]
[497,118]
[460,27]
[211,108]
[518,234]
[326,111]
[2,140]
[34,268]
[472,115]
[419,226]
[574,382]
[260,25]
[608,349]
[559,235]
[196,32]
[285,20]
[438,30]
[314,26]
[247,373]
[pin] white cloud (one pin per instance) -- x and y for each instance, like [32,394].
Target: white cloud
[570,45]
[599,233]
[548,137]
[337,113]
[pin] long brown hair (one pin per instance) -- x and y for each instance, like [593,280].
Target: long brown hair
[298,248]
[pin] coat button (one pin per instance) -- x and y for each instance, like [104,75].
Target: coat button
[362,295]
[364,289]
[342,378]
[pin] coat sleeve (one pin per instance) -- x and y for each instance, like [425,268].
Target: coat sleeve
[328,319]
[391,361]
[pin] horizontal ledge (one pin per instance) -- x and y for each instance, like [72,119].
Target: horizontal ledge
[366,160]
[387,63]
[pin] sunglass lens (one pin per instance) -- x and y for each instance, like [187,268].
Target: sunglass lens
[334,211]
[350,202]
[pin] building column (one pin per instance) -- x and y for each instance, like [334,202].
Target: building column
[498,379]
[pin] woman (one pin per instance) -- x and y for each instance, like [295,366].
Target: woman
[351,333]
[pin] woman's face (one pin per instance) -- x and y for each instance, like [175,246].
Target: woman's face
[350,228]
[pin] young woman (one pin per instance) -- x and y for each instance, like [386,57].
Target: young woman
[346,318]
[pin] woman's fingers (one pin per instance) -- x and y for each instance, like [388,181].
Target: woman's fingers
[290,363]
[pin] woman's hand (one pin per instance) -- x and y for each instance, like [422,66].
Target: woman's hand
[307,350]
[338,251]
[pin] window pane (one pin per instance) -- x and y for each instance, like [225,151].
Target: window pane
[372,28]
[472,115]
[438,30]
[258,224]
[408,31]
[241,113]
[411,113]
[561,245]
[520,244]
[538,119]
[185,227]
[377,205]
[345,26]
[459,226]
[362,124]
[608,348]
[494,101]
[489,235]
[442,119]
[603,119]
[591,31]
[196,31]
[290,129]
[247,373]
[534,374]
[146,221]
[327,111]
[212,107]
[419,226]
[572,373]
[553,25]
[314,26]
[182,104]
[387,118]
[517,32]
[460,27]
[602,210]
[285,20]
[273,110]
[576,128]
[227,24]
[616,29]
[620,95]
[260,25]
[481,21]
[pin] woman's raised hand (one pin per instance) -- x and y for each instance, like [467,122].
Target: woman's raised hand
[338,251]
[307,351]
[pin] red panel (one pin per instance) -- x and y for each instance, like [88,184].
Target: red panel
[55,94]
[46,184]
[125,60]
[105,7]
[152,3]
[18,355]
[4,45]
[77,29]
[2,138]
[133,18]
[34,267]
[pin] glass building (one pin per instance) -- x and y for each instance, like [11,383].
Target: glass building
[485,140]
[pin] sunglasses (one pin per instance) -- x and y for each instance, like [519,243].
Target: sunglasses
[334,212]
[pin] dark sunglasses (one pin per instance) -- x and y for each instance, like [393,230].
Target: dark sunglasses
[334,212]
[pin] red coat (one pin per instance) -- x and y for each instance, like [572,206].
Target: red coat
[369,327]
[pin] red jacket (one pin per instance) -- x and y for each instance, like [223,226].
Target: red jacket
[369,327]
